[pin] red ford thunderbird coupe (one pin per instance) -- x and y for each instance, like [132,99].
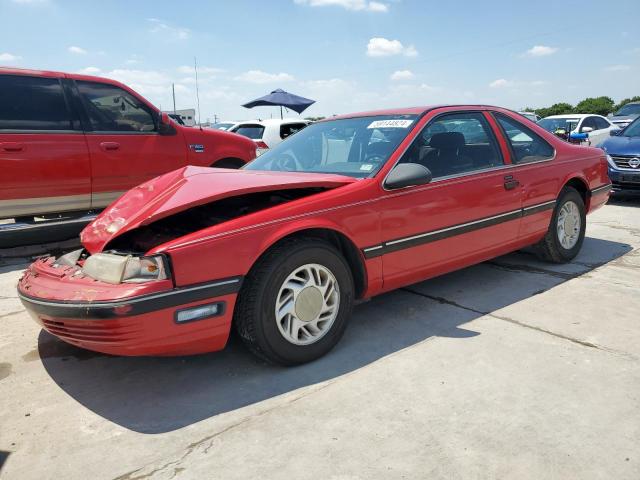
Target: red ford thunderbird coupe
[346,209]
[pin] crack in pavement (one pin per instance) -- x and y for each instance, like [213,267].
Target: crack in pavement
[132,475]
[512,267]
[577,341]
[4,315]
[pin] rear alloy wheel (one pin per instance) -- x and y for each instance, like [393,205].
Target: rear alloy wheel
[295,303]
[566,231]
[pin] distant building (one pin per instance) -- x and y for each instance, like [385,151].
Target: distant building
[188,116]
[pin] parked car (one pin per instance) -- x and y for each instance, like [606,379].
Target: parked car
[268,133]
[623,155]
[72,142]
[531,116]
[625,115]
[282,248]
[597,126]
[224,125]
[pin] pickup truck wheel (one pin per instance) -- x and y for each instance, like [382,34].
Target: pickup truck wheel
[295,303]
[566,231]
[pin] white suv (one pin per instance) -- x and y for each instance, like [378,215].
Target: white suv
[268,133]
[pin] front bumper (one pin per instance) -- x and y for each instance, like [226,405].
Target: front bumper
[129,324]
[624,180]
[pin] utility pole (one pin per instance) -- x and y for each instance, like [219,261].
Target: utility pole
[173,91]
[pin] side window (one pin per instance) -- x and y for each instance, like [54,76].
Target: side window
[589,122]
[601,123]
[254,132]
[290,129]
[455,143]
[526,145]
[112,109]
[33,103]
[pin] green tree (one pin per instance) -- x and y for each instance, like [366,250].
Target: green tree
[625,101]
[555,109]
[598,105]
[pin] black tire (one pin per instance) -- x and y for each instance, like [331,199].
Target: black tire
[254,316]
[549,248]
[234,163]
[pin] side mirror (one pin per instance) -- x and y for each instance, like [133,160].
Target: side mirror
[407,175]
[165,126]
[586,129]
[614,132]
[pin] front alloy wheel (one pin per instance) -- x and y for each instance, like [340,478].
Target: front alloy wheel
[295,302]
[307,304]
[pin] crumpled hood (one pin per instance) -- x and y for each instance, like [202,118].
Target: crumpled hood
[189,187]
[622,145]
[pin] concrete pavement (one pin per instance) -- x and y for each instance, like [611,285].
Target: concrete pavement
[510,369]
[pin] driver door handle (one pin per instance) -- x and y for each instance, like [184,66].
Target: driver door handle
[510,183]
[11,147]
[109,146]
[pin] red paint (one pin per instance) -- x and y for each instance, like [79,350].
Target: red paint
[362,211]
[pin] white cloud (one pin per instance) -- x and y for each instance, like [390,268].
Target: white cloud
[382,47]
[90,71]
[258,76]
[354,5]
[402,75]
[540,51]
[501,83]
[9,57]
[170,31]
[77,50]
[617,68]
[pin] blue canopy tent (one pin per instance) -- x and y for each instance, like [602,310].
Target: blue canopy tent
[280,98]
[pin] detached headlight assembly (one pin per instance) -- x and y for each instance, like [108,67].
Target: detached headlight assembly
[111,268]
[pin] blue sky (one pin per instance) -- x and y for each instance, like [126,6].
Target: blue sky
[348,55]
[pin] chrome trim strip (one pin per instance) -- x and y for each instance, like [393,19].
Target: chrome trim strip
[531,207]
[454,227]
[602,188]
[392,245]
[34,206]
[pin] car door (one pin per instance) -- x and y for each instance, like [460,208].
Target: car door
[594,134]
[43,154]
[531,157]
[124,144]
[603,130]
[469,212]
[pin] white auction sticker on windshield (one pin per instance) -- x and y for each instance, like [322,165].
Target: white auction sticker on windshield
[366,167]
[390,124]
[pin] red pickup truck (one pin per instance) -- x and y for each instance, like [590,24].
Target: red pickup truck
[75,143]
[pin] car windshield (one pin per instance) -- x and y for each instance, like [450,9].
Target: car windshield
[553,124]
[633,130]
[629,109]
[357,147]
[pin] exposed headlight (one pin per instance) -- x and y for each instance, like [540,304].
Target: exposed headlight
[115,269]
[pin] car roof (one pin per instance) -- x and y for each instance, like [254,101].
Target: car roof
[417,110]
[273,121]
[574,115]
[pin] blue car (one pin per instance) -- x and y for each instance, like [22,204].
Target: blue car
[623,155]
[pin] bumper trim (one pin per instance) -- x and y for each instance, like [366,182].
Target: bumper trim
[104,310]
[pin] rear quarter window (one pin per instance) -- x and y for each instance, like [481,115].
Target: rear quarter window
[254,132]
[526,145]
[290,128]
[33,103]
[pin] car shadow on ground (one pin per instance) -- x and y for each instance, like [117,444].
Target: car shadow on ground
[156,395]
